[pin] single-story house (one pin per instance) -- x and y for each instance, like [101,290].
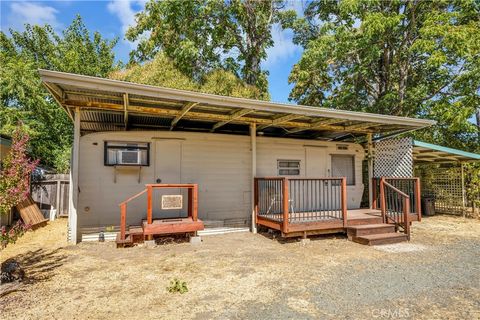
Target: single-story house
[139,150]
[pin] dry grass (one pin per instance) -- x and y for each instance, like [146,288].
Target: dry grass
[243,275]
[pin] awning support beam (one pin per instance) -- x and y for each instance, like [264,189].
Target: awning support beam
[233,116]
[280,120]
[317,125]
[184,111]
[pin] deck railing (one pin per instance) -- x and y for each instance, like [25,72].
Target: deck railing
[192,203]
[300,200]
[409,186]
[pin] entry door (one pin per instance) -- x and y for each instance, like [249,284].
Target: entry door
[168,164]
[316,162]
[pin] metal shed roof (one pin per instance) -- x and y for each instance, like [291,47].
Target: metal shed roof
[424,152]
[109,105]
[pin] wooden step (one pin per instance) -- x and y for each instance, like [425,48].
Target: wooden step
[366,229]
[354,221]
[126,242]
[381,238]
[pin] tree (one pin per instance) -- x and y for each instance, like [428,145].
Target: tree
[15,172]
[22,96]
[407,58]
[204,35]
[161,71]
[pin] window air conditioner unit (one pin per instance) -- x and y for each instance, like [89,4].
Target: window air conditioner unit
[129,157]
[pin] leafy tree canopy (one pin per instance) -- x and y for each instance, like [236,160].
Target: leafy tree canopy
[409,58]
[22,96]
[161,71]
[204,35]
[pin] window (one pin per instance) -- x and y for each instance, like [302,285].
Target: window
[127,153]
[344,166]
[288,167]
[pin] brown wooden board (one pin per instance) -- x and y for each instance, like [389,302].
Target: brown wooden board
[30,213]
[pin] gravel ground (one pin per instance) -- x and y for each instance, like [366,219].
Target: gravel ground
[245,276]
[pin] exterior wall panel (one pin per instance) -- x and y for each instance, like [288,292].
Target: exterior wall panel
[220,164]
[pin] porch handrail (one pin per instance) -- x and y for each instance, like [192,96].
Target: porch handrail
[280,206]
[192,203]
[409,186]
[393,210]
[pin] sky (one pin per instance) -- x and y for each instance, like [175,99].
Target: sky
[112,18]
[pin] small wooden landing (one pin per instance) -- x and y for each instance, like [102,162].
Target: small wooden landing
[161,227]
[172,226]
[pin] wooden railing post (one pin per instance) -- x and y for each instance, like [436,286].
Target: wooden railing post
[374,193]
[149,204]
[406,214]
[344,201]
[123,220]
[190,202]
[285,205]
[382,199]
[195,202]
[418,200]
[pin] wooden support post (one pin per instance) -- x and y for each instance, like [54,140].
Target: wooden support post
[190,202]
[382,200]
[418,199]
[344,201]
[253,141]
[123,220]
[255,199]
[463,189]
[285,205]
[370,169]
[73,186]
[374,193]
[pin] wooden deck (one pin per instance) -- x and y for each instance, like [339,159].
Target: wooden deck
[304,206]
[305,225]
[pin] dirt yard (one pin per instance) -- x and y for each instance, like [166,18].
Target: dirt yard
[247,276]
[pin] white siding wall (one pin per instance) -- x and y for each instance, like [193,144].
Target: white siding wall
[220,164]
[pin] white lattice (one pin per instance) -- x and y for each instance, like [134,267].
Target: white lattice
[393,158]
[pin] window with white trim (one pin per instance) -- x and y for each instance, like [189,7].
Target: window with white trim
[343,165]
[288,167]
[127,153]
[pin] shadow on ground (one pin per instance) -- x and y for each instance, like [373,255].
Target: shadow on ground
[40,265]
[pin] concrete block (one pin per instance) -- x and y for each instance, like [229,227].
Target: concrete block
[304,241]
[196,240]
[150,243]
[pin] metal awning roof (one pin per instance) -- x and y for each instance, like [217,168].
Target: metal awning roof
[424,152]
[109,105]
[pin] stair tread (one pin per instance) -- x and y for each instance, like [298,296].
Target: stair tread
[371,226]
[389,235]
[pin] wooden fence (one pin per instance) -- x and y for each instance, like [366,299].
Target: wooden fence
[51,192]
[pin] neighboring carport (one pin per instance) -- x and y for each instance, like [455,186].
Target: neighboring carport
[446,175]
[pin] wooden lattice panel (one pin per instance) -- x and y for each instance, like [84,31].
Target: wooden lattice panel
[445,184]
[393,158]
